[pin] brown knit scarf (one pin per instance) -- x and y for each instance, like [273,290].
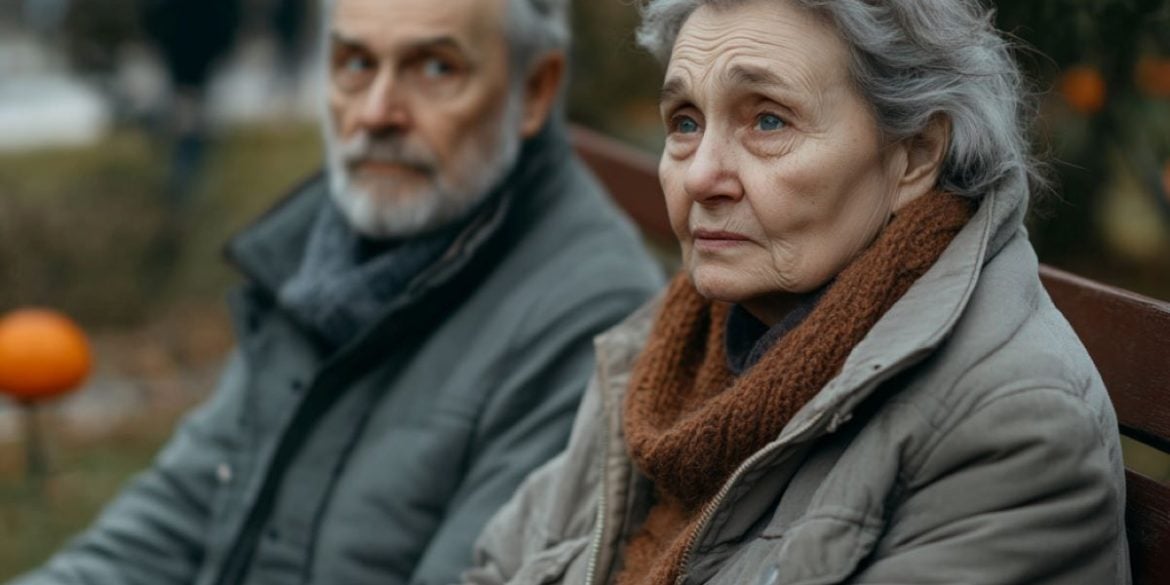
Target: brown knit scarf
[689,421]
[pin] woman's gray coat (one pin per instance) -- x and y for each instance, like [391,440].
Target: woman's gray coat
[968,439]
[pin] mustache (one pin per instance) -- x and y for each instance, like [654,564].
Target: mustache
[366,148]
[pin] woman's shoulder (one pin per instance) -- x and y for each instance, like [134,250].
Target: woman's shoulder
[1011,343]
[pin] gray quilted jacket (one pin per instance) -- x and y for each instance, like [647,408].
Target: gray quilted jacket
[379,463]
[968,439]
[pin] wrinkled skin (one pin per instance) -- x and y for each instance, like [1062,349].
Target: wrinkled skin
[775,171]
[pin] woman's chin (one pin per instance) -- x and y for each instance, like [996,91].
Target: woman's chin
[733,284]
[719,283]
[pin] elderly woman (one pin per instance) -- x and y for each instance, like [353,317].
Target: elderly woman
[857,377]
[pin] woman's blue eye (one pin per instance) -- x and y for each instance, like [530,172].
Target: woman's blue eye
[686,125]
[769,122]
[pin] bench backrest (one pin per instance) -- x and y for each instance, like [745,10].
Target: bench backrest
[1127,335]
[1129,338]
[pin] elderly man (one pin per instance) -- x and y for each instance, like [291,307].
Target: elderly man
[415,330]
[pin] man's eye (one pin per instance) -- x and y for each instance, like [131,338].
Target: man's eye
[435,68]
[356,64]
[684,125]
[769,122]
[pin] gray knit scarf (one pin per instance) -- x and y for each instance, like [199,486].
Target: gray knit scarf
[345,281]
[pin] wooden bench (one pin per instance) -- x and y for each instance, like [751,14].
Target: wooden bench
[1127,335]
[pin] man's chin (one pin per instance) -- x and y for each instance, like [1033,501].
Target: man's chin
[394,213]
[379,193]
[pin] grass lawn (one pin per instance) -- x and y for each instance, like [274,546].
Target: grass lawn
[87,472]
[80,229]
[77,231]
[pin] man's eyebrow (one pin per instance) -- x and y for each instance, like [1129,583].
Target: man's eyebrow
[438,42]
[340,38]
[674,90]
[414,45]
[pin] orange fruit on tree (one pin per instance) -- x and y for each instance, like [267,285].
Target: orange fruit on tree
[1166,180]
[43,354]
[1083,89]
[1153,76]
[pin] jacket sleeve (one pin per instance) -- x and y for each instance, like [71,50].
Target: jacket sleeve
[154,532]
[536,520]
[1026,490]
[525,424]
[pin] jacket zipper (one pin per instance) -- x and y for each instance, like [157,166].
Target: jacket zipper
[598,533]
[717,501]
[602,501]
[708,511]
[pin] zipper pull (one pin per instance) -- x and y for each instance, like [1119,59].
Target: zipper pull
[839,419]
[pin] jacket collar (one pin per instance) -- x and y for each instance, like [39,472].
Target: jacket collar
[908,332]
[270,250]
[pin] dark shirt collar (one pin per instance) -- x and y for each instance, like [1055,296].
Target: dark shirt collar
[748,339]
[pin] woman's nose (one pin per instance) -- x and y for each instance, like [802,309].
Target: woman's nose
[712,177]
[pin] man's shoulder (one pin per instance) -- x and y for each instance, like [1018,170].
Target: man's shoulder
[579,246]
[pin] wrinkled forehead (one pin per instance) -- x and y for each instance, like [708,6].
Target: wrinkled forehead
[386,25]
[761,42]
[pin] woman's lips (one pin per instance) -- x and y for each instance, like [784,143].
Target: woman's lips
[717,239]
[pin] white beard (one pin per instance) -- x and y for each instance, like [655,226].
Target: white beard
[387,209]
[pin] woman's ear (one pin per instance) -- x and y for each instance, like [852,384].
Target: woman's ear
[540,92]
[924,158]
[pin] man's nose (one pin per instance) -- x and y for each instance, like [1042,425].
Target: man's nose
[712,176]
[385,106]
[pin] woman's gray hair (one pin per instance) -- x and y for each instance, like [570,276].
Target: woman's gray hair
[914,60]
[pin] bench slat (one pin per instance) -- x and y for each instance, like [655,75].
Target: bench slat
[1147,521]
[1128,337]
[631,177]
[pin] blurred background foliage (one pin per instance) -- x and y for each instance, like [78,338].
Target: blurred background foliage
[1100,72]
[92,228]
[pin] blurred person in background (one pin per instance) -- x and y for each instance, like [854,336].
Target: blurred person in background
[287,20]
[192,36]
[857,376]
[45,17]
[416,325]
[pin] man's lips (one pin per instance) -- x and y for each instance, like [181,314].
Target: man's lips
[386,168]
[715,239]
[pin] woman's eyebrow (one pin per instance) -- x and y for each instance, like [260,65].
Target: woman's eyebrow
[754,76]
[674,90]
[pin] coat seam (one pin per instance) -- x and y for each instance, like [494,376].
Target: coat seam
[927,452]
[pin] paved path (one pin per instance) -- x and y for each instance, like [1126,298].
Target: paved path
[107,401]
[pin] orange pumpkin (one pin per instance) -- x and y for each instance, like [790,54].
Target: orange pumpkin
[43,354]
[1083,89]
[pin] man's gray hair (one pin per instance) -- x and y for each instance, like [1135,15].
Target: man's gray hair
[914,60]
[534,28]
